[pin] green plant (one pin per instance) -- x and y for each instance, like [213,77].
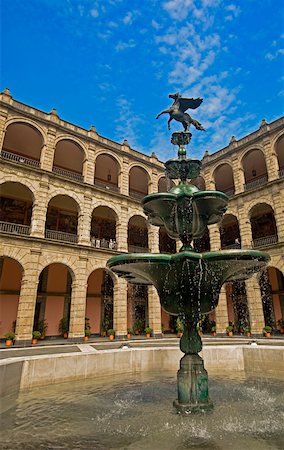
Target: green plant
[267,329]
[280,322]
[42,326]
[63,325]
[88,332]
[163,328]
[213,328]
[10,336]
[148,330]
[110,332]
[229,328]
[247,329]
[87,323]
[129,330]
[36,334]
[179,325]
[138,326]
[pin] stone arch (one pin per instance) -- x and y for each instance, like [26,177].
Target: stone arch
[164,184]
[263,225]
[224,178]
[19,119]
[139,180]
[254,166]
[62,218]
[69,157]
[96,203]
[107,171]
[16,208]
[279,150]
[104,222]
[199,182]
[138,240]
[271,282]
[61,191]
[68,137]
[230,232]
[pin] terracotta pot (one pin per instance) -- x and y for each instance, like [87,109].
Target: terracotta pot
[136,331]
[111,337]
[163,334]
[9,342]
[104,333]
[148,335]
[213,333]
[34,341]
[65,335]
[230,333]
[179,335]
[128,335]
[281,330]
[267,334]
[86,338]
[248,333]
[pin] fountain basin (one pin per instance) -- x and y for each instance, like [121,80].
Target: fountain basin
[187,281]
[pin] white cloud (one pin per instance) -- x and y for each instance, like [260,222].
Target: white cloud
[130,16]
[127,123]
[94,13]
[270,56]
[233,9]
[124,45]
[155,24]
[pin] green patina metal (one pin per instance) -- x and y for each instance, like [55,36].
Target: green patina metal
[188,283]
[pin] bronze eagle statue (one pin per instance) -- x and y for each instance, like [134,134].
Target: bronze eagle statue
[178,108]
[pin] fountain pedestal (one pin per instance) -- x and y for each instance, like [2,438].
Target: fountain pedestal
[192,382]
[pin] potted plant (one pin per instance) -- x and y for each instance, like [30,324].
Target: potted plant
[229,330]
[42,327]
[36,336]
[10,336]
[163,329]
[267,331]
[213,330]
[63,327]
[111,334]
[148,331]
[138,326]
[179,327]
[129,333]
[247,331]
[87,334]
[280,323]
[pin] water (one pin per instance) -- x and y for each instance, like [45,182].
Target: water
[136,413]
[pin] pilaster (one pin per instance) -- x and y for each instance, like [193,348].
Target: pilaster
[40,210]
[270,159]
[120,307]
[122,230]
[84,222]
[255,305]
[48,150]
[154,311]
[89,165]
[78,301]
[153,237]
[124,177]
[222,312]
[244,227]
[215,240]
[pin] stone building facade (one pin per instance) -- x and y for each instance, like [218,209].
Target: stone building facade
[71,200]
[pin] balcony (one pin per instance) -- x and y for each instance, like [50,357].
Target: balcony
[260,181]
[265,241]
[136,194]
[15,228]
[281,172]
[230,246]
[61,236]
[109,244]
[137,249]
[68,174]
[19,159]
[230,192]
[106,185]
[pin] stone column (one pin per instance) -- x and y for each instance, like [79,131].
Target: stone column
[238,176]
[3,118]
[154,311]
[47,152]
[245,228]
[120,308]
[255,305]
[27,299]
[153,183]
[222,312]
[271,160]
[153,239]
[278,211]
[84,222]
[122,230]
[124,177]
[40,209]
[78,301]
[89,169]
[215,240]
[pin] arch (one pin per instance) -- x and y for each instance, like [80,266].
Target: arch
[137,307]
[138,182]
[52,311]
[230,232]
[166,244]
[16,208]
[237,306]
[99,301]
[279,150]
[263,225]
[254,167]
[24,139]
[138,234]
[107,170]
[62,219]
[69,156]
[271,282]
[199,182]
[103,227]
[165,184]
[224,179]
[11,275]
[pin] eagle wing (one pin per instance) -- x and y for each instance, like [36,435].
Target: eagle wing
[191,103]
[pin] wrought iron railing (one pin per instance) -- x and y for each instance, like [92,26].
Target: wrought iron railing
[106,185]
[15,228]
[255,183]
[137,195]
[137,249]
[281,173]
[104,243]
[19,159]
[230,246]
[68,174]
[229,192]
[61,236]
[263,241]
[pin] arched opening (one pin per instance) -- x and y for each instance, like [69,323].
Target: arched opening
[199,182]
[11,273]
[103,228]
[237,306]
[106,172]
[255,170]
[52,312]
[16,208]
[263,225]
[138,182]
[272,294]
[137,308]
[202,244]
[165,184]
[137,235]
[230,232]
[279,148]
[62,219]
[68,160]
[224,179]
[99,302]
[23,144]
[166,244]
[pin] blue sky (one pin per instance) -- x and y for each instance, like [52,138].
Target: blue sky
[112,64]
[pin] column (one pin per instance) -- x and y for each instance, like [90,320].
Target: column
[84,221]
[78,301]
[153,183]
[154,311]
[47,152]
[153,239]
[245,228]
[222,312]
[120,308]
[238,176]
[278,211]
[255,305]
[122,230]
[89,165]
[40,209]
[271,160]
[215,240]
[27,300]
[124,177]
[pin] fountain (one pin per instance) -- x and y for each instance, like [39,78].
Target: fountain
[188,283]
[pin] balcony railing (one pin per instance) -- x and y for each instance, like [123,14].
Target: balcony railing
[267,240]
[229,192]
[137,249]
[281,173]
[104,243]
[14,228]
[106,185]
[68,174]
[19,159]
[230,246]
[255,183]
[137,195]
[61,236]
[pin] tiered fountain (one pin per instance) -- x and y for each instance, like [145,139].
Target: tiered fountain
[188,283]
